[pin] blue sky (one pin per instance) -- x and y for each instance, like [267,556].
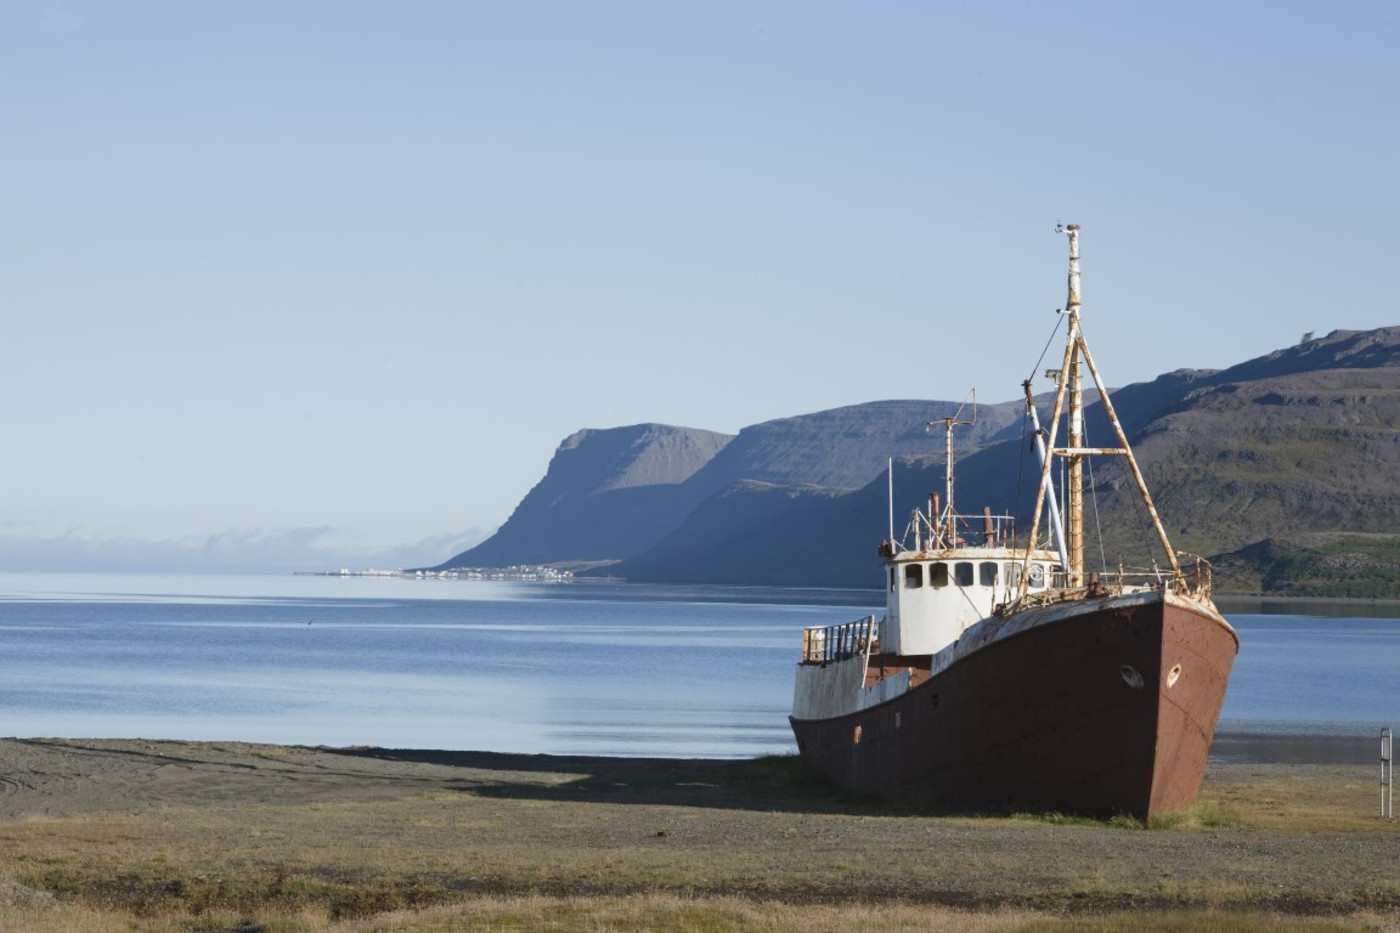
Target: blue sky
[303,284]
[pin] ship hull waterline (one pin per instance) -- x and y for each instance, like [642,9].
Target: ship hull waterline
[1100,707]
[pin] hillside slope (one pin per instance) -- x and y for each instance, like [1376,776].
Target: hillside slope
[1299,449]
[607,494]
[1284,469]
[610,494]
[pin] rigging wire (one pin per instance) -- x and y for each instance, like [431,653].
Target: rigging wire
[1094,501]
[1059,319]
[1139,512]
[1021,464]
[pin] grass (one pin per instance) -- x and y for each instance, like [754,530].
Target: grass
[1187,922]
[638,914]
[725,915]
[717,915]
[474,861]
[1299,805]
[648,913]
[1319,565]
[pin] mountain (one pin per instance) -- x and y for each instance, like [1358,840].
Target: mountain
[611,494]
[607,494]
[1290,459]
[1283,470]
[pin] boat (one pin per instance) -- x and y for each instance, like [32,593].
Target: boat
[1002,675]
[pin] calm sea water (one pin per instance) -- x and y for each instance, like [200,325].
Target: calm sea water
[597,669]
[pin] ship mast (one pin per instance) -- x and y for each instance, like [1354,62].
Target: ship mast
[1076,418]
[946,523]
[1070,382]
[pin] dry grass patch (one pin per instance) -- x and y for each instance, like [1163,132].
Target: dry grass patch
[1190,922]
[638,914]
[1300,800]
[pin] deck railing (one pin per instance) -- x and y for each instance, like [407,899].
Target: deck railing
[1195,579]
[824,643]
[956,530]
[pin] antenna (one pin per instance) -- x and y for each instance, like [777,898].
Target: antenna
[948,425]
[889,473]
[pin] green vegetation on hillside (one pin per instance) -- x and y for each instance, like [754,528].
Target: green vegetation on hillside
[1349,566]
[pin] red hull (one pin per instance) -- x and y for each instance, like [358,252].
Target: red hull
[1075,708]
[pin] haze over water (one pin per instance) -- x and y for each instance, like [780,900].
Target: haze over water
[581,668]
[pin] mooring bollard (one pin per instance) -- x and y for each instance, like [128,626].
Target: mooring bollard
[1385,775]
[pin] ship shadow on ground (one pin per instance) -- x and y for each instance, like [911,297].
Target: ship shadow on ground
[775,782]
[770,783]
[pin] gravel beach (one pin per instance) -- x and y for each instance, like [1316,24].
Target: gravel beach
[588,816]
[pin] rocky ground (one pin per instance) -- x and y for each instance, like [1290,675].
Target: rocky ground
[559,825]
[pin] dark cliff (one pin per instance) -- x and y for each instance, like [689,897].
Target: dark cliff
[607,494]
[611,494]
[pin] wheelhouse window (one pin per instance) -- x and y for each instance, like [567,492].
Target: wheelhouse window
[894,579]
[987,573]
[913,576]
[962,573]
[937,575]
[1039,575]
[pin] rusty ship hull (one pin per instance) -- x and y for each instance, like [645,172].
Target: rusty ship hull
[1005,672]
[1101,705]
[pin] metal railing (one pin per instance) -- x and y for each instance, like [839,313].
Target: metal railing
[957,530]
[1386,782]
[1195,578]
[824,643]
[1194,582]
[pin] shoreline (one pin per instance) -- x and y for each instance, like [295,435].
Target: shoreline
[1284,745]
[1295,748]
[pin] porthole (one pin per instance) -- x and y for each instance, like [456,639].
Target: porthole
[1172,676]
[1131,677]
